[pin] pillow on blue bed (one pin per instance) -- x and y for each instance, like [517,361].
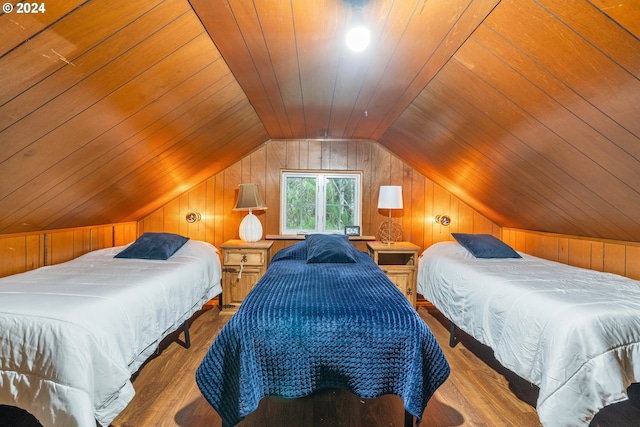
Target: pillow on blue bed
[485,246]
[329,248]
[154,246]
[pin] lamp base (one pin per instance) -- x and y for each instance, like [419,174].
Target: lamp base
[389,232]
[250,228]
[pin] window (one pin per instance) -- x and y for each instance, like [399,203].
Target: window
[319,202]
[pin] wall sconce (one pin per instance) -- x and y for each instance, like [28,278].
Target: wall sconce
[249,199]
[193,217]
[443,220]
[390,198]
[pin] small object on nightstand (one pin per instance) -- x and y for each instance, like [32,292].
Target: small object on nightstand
[399,262]
[352,230]
[243,264]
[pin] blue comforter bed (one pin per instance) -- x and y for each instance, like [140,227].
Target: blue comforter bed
[312,326]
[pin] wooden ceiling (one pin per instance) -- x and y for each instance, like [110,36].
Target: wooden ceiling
[526,110]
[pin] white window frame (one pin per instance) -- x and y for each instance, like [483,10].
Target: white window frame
[321,179]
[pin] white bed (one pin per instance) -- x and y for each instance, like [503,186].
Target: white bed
[72,334]
[573,332]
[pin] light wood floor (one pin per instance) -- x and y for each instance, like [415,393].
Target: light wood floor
[479,392]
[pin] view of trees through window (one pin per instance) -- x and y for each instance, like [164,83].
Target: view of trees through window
[340,197]
[319,202]
[301,203]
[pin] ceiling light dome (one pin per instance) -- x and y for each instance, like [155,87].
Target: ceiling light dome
[357,38]
[358,35]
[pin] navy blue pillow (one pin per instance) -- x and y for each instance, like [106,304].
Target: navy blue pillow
[322,248]
[485,246]
[154,246]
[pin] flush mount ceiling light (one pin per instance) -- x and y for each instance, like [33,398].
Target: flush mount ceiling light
[357,38]
[358,35]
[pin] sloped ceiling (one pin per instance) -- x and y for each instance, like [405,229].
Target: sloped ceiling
[526,110]
[111,108]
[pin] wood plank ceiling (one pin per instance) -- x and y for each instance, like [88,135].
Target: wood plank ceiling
[526,110]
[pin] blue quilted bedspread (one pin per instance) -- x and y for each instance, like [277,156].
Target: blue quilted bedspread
[306,327]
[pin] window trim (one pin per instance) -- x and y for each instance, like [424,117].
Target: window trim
[320,197]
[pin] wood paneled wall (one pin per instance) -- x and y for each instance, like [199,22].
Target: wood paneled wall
[27,251]
[215,198]
[612,256]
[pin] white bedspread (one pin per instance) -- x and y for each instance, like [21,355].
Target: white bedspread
[573,332]
[73,333]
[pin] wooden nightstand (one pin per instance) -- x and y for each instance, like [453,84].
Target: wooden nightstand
[243,264]
[399,262]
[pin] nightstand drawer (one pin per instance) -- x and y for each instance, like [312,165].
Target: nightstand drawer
[243,256]
[243,264]
[395,258]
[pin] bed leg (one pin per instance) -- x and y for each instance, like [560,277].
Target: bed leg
[187,339]
[408,419]
[452,335]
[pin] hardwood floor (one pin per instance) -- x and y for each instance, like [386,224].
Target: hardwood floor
[479,392]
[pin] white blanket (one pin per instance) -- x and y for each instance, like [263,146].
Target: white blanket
[72,334]
[573,332]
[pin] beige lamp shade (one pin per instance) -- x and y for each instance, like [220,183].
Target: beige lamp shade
[249,199]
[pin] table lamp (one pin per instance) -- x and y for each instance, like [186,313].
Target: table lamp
[390,198]
[249,199]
